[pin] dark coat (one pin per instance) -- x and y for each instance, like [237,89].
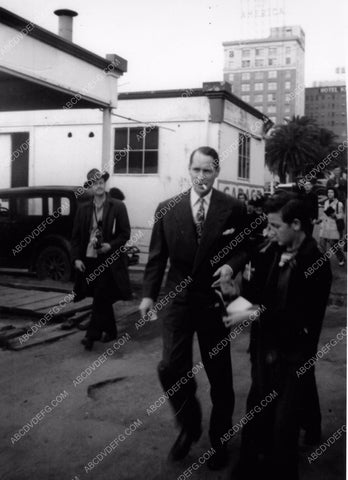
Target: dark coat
[116,232]
[290,326]
[174,238]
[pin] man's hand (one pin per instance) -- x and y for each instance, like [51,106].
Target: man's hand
[224,281]
[105,248]
[80,266]
[145,305]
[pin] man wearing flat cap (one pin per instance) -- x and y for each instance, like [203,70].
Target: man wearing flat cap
[101,229]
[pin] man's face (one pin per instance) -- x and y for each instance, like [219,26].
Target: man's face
[308,187]
[202,172]
[241,198]
[337,172]
[98,187]
[283,233]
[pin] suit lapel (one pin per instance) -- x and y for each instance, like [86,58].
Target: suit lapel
[217,214]
[186,227]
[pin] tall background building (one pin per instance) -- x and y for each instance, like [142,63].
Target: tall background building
[326,103]
[268,72]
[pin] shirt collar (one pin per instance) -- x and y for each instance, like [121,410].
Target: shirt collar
[195,198]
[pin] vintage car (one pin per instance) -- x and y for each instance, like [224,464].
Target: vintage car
[35,229]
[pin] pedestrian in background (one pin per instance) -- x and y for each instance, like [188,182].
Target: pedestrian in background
[332,225]
[101,228]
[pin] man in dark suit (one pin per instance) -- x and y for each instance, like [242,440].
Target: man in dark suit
[191,231]
[101,229]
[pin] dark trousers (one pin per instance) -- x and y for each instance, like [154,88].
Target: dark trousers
[180,322]
[310,407]
[273,431]
[102,289]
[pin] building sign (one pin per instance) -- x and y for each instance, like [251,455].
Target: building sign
[332,89]
[234,188]
[238,117]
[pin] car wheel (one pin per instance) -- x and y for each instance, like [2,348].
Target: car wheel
[53,262]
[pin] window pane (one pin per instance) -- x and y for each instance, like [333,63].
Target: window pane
[151,162]
[120,138]
[120,161]
[151,138]
[135,162]
[29,206]
[136,136]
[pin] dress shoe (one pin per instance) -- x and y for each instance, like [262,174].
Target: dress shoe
[87,342]
[183,444]
[108,338]
[219,459]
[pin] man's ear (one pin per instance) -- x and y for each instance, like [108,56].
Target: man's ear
[296,224]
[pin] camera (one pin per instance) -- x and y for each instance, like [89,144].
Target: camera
[98,236]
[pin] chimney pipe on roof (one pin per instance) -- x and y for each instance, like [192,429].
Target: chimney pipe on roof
[65,28]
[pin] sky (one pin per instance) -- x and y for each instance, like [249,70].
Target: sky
[178,43]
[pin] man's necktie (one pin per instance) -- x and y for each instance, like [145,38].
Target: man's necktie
[200,217]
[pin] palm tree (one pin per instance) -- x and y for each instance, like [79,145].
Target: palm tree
[293,147]
[297,146]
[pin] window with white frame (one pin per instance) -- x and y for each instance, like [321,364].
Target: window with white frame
[244,156]
[288,74]
[259,62]
[287,85]
[272,86]
[246,76]
[287,98]
[287,50]
[272,51]
[271,97]
[288,61]
[136,150]
[245,53]
[271,109]
[272,74]
[258,87]
[272,62]
[245,87]
[258,75]
[246,98]
[230,77]
[258,99]
[245,63]
[259,52]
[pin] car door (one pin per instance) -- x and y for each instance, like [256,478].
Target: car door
[6,230]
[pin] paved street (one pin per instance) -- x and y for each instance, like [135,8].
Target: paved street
[82,422]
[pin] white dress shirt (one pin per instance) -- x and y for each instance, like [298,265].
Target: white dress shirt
[195,203]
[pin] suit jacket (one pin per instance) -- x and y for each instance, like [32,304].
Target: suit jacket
[174,238]
[292,320]
[116,232]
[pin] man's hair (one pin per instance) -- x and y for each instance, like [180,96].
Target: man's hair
[290,207]
[207,151]
[244,195]
[116,193]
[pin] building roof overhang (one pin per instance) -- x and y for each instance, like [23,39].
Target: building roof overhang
[40,70]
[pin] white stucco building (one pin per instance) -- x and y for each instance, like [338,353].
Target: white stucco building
[152,136]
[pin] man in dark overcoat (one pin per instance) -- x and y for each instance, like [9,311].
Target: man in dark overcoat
[293,294]
[101,230]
